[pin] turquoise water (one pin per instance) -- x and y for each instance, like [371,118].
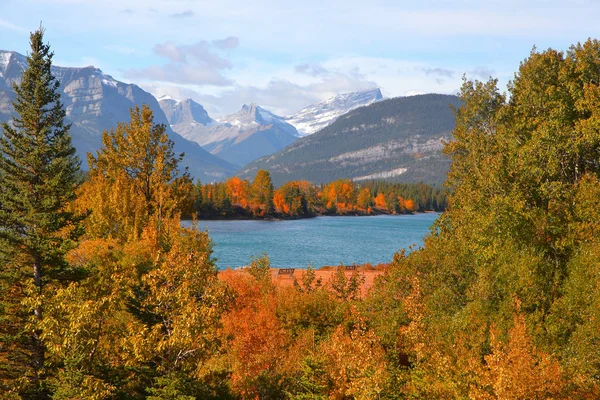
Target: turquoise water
[318,241]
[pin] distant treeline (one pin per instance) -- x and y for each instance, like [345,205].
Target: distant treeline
[240,198]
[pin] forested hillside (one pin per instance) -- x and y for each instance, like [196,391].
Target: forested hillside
[398,139]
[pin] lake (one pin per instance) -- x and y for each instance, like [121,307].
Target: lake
[319,241]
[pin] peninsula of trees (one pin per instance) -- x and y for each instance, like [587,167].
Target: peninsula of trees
[239,198]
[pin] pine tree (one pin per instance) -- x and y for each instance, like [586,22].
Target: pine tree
[38,178]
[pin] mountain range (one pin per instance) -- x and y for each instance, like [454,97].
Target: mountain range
[95,102]
[238,138]
[253,131]
[398,139]
[355,135]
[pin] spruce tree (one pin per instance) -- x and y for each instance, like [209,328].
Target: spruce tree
[38,178]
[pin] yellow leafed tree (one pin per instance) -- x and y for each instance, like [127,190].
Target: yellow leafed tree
[133,178]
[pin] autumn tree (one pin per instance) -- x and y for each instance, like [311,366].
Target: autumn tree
[406,205]
[355,363]
[380,201]
[133,178]
[260,350]
[262,192]
[296,198]
[38,179]
[517,369]
[364,199]
[339,194]
[238,191]
[144,320]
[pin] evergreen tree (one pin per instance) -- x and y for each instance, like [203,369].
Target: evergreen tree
[38,178]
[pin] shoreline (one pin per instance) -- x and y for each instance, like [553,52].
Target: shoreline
[323,275]
[274,219]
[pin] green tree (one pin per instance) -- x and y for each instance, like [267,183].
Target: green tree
[38,178]
[312,382]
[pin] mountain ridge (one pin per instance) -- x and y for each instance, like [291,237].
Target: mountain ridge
[394,139]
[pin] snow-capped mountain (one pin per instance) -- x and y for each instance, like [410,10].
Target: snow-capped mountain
[252,115]
[238,138]
[94,102]
[317,116]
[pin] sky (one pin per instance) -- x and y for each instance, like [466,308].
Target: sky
[285,55]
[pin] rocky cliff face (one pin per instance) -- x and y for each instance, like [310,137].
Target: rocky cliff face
[95,102]
[184,111]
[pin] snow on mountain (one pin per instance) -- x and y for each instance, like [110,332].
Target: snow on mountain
[238,138]
[4,60]
[317,116]
[11,65]
[167,97]
[252,115]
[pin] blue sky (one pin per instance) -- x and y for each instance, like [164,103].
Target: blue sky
[285,55]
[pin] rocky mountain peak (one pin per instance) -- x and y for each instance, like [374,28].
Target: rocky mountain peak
[185,111]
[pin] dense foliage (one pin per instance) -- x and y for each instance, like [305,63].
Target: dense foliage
[502,302]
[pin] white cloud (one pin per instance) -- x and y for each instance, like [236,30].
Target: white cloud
[12,27]
[295,53]
[183,14]
[195,64]
[288,89]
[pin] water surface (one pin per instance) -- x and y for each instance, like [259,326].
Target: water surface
[318,241]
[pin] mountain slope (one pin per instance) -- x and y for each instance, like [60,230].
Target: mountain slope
[398,139]
[317,116]
[239,138]
[95,102]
